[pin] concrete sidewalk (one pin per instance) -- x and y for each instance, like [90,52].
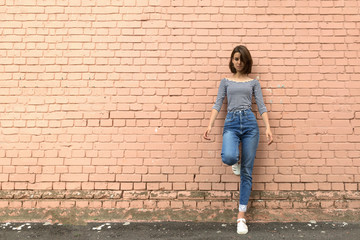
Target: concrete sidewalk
[179,230]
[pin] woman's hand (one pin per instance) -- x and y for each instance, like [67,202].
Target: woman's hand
[206,133]
[214,113]
[269,136]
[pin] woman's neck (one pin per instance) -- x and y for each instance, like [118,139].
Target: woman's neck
[240,76]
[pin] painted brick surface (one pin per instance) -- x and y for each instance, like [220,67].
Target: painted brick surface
[114,95]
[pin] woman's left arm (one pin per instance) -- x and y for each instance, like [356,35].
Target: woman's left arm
[262,110]
[268,133]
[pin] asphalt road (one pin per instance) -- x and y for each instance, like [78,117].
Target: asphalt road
[179,230]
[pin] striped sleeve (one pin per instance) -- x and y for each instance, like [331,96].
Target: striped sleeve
[220,96]
[259,98]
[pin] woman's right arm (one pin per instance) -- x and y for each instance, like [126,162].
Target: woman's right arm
[216,108]
[213,116]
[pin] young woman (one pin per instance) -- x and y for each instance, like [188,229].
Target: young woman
[240,124]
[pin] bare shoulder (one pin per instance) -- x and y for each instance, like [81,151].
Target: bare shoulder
[228,77]
[234,79]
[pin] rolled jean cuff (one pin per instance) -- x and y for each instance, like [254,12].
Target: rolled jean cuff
[242,208]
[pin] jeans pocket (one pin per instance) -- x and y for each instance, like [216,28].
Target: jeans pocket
[229,118]
[250,116]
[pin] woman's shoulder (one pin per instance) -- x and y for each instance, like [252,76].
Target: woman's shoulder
[223,80]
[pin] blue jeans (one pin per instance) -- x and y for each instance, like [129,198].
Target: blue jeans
[241,127]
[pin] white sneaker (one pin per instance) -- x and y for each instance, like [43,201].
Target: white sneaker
[241,226]
[236,168]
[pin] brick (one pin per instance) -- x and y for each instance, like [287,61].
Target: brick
[181,178]
[127,186]
[286,178]
[178,186]
[152,186]
[122,204]
[285,186]
[299,205]
[218,195]
[327,204]
[176,204]
[4,177]
[154,178]
[113,186]
[22,177]
[341,204]
[95,204]
[337,186]
[350,186]
[150,204]
[4,203]
[15,204]
[28,204]
[47,177]
[74,177]
[313,178]
[128,177]
[203,205]
[136,195]
[189,204]
[272,204]
[48,204]
[207,178]
[203,186]
[255,186]
[166,186]
[340,178]
[108,204]
[191,195]
[81,203]
[313,205]
[163,204]
[311,186]
[355,204]
[67,204]
[136,204]
[73,185]
[102,177]
[218,186]
[324,186]
[286,204]
[217,204]
[258,204]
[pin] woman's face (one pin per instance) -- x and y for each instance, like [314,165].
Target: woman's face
[238,64]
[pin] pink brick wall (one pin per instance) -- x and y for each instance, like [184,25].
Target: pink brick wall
[115,95]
